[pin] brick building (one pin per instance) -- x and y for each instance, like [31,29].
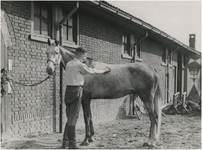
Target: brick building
[109,35]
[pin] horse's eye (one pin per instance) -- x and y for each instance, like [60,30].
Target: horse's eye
[56,53]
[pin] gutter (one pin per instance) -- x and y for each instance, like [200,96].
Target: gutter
[126,16]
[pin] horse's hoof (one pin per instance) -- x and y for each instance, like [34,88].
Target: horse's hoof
[84,143]
[152,146]
[90,139]
[145,144]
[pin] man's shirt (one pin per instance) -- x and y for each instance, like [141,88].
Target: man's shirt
[75,70]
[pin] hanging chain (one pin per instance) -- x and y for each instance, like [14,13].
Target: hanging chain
[5,78]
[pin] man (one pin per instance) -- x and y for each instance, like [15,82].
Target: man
[74,77]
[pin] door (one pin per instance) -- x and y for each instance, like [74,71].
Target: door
[4,99]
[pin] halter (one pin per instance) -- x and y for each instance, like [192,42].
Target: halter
[54,63]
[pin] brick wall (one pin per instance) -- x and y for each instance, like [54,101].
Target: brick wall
[102,40]
[30,109]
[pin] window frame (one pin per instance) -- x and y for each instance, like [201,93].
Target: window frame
[138,47]
[67,42]
[132,39]
[40,37]
[126,35]
[169,53]
[183,61]
[164,56]
[165,52]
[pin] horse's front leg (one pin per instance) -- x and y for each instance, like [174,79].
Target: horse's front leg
[86,113]
[92,132]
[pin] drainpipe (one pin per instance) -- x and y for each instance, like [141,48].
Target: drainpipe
[168,72]
[146,35]
[61,84]
[61,69]
[132,61]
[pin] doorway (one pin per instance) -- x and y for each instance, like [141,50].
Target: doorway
[4,99]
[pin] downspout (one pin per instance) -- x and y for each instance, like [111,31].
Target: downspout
[61,69]
[132,61]
[168,72]
[146,35]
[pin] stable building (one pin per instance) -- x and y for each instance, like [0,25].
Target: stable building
[109,35]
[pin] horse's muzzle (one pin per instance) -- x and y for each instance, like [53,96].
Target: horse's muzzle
[49,70]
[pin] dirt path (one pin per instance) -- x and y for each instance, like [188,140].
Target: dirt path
[177,132]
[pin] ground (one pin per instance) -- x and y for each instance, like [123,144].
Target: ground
[177,132]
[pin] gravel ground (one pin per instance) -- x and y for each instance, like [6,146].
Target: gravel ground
[177,132]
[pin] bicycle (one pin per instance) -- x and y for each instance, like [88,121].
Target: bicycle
[138,107]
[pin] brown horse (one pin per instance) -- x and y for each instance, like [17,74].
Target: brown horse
[123,79]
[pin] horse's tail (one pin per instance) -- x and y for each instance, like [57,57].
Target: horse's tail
[158,108]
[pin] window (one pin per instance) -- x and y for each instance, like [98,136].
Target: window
[42,18]
[70,27]
[129,48]
[137,48]
[183,61]
[126,44]
[169,56]
[166,56]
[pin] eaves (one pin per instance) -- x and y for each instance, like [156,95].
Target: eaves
[116,12]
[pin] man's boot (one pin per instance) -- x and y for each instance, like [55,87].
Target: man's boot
[72,138]
[65,144]
[65,141]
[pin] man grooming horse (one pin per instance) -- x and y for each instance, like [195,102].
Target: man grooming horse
[123,79]
[74,77]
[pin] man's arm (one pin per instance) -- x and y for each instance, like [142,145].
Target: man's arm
[86,70]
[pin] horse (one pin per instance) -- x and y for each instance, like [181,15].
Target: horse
[123,79]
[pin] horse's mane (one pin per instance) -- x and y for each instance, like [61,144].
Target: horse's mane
[73,52]
[89,61]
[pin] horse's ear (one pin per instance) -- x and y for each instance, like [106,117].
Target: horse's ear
[56,42]
[49,42]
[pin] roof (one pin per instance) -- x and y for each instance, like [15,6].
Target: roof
[148,27]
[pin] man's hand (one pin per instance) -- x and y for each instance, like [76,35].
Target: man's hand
[107,69]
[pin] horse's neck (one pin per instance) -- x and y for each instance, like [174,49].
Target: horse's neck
[66,56]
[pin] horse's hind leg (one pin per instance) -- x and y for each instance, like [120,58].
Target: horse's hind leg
[149,105]
[87,120]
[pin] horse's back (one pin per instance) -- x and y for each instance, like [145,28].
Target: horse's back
[123,79]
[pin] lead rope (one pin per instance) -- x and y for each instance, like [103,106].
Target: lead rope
[5,78]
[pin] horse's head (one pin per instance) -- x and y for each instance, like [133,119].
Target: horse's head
[53,56]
